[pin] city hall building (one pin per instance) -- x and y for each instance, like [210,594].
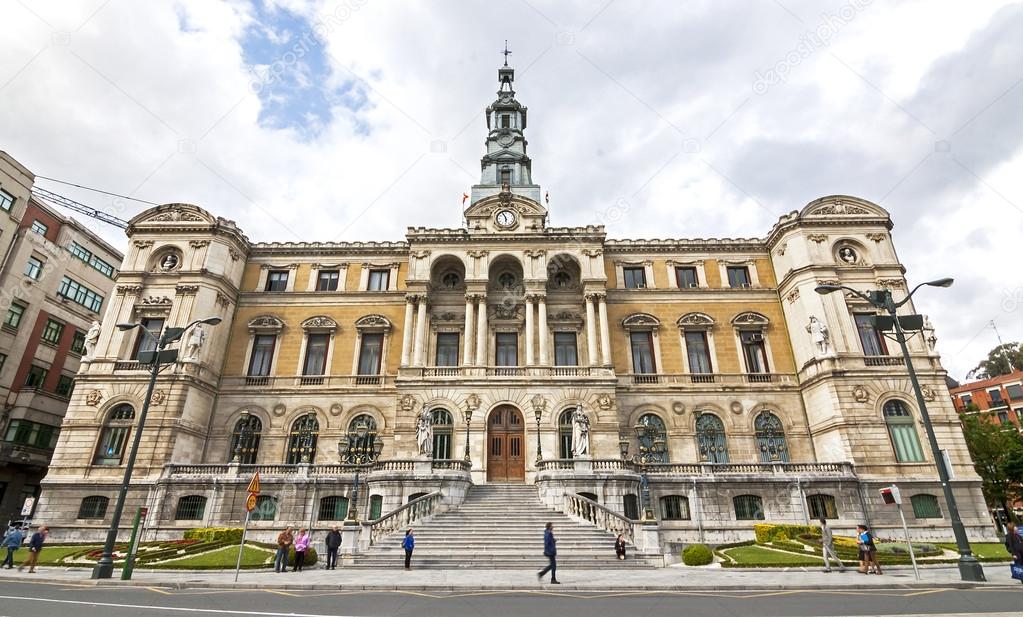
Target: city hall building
[719,390]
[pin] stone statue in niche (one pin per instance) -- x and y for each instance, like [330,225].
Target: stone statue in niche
[929,336]
[424,432]
[194,343]
[91,339]
[580,433]
[819,334]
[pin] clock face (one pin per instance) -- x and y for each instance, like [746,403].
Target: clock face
[505,218]
[505,140]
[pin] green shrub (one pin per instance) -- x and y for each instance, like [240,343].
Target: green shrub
[310,557]
[215,534]
[769,532]
[697,555]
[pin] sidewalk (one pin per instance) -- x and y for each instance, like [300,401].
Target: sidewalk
[675,578]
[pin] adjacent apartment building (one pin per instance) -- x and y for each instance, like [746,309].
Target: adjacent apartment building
[54,278]
[998,397]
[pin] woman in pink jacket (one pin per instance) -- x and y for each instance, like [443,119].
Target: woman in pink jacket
[301,544]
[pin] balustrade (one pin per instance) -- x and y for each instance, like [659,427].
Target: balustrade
[602,517]
[402,517]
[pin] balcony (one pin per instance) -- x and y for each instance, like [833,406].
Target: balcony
[883,361]
[20,454]
[308,381]
[220,470]
[515,373]
[842,469]
[698,380]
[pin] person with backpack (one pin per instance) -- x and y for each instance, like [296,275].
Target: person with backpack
[550,551]
[868,551]
[409,544]
[12,542]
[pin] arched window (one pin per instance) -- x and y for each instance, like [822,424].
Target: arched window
[710,439]
[190,508]
[902,431]
[822,506]
[674,508]
[652,438]
[333,508]
[265,510]
[925,506]
[376,506]
[94,506]
[302,440]
[565,434]
[630,504]
[771,438]
[748,508]
[443,426]
[114,437]
[245,440]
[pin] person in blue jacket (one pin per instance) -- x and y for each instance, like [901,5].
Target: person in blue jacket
[550,551]
[409,544]
[12,542]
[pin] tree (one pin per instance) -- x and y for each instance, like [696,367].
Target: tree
[997,453]
[1001,360]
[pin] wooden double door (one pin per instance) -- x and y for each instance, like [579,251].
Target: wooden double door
[506,432]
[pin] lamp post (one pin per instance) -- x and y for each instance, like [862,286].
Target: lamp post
[639,459]
[468,418]
[244,435]
[157,357]
[969,568]
[360,447]
[537,412]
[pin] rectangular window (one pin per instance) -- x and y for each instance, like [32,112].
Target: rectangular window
[14,315]
[822,506]
[698,352]
[685,277]
[327,280]
[36,376]
[73,290]
[925,506]
[52,332]
[505,121]
[996,397]
[738,276]
[3,361]
[871,340]
[635,278]
[507,349]
[34,267]
[277,280]
[78,342]
[6,200]
[111,445]
[754,352]
[86,255]
[262,355]
[371,353]
[39,227]
[447,348]
[379,280]
[1003,417]
[565,351]
[316,354]
[1015,391]
[80,252]
[967,399]
[64,386]
[674,508]
[147,341]
[642,352]
[506,176]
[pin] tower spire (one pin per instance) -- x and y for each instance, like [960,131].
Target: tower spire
[506,52]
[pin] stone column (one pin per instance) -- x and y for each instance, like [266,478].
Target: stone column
[406,333]
[417,353]
[529,330]
[591,331]
[605,335]
[481,332]
[467,335]
[542,329]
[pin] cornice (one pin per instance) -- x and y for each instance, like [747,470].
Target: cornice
[686,245]
[321,249]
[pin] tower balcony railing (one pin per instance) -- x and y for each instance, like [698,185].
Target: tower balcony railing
[704,379]
[504,372]
[307,381]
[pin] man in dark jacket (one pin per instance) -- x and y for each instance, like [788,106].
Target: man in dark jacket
[35,545]
[333,543]
[1014,543]
[550,551]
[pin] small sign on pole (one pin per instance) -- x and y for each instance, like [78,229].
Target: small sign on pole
[254,484]
[890,495]
[250,505]
[26,508]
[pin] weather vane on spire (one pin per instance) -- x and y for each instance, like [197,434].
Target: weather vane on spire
[506,52]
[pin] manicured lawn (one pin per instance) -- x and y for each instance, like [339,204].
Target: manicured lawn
[225,557]
[986,550]
[52,555]
[759,555]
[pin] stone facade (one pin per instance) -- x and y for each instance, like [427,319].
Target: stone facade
[696,356]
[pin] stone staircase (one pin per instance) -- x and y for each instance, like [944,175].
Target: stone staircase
[501,526]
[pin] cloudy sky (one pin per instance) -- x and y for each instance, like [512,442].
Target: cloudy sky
[352,119]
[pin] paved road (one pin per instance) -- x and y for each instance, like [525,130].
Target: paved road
[26,599]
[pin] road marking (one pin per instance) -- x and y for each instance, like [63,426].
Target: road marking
[209,611]
[158,590]
[281,593]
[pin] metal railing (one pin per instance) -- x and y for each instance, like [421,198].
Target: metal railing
[403,516]
[602,517]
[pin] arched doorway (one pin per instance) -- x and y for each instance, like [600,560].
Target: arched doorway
[506,461]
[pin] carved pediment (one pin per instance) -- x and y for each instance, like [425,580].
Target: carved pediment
[174,213]
[641,320]
[486,207]
[319,322]
[695,320]
[266,322]
[373,322]
[749,318]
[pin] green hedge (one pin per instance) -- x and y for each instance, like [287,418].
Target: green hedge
[215,534]
[697,555]
[769,532]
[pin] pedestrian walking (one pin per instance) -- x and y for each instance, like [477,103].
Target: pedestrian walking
[12,542]
[35,546]
[550,551]
[333,543]
[868,551]
[620,547]
[284,542]
[1014,544]
[409,544]
[828,547]
[301,545]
